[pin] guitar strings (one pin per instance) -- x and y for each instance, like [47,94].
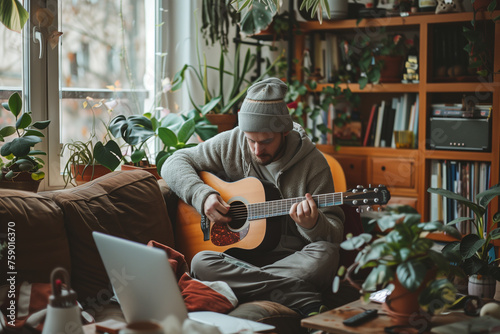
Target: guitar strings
[240,211]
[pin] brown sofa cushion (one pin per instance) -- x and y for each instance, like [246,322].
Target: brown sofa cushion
[40,237]
[124,204]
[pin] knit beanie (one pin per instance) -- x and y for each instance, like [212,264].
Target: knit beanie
[264,108]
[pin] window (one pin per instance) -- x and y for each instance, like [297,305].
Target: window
[110,50]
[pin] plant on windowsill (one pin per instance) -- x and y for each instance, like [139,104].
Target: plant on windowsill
[23,163]
[473,252]
[92,158]
[403,260]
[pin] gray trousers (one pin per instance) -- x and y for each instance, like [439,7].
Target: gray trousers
[294,281]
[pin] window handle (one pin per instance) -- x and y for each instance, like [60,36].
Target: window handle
[37,38]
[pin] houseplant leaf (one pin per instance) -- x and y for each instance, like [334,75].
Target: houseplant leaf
[411,274]
[470,244]
[13,15]
[108,155]
[186,131]
[15,102]
[257,19]
[167,136]
[478,210]
[485,197]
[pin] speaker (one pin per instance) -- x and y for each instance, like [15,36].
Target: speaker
[465,134]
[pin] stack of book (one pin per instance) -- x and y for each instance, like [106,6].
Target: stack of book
[465,178]
[401,113]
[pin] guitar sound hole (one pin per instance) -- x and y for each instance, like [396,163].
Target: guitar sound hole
[239,213]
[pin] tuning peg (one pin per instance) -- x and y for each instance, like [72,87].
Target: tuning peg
[365,190]
[359,210]
[381,185]
[359,186]
[376,190]
[365,201]
[355,202]
[354,191]
[375,200]
[369,208]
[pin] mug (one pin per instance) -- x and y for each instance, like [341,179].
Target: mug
[142,327]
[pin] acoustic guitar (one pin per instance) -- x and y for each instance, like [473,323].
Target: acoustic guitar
[255,211]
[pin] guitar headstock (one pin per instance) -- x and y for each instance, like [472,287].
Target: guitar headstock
[367,196]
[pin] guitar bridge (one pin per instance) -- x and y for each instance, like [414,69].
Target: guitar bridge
[205,228]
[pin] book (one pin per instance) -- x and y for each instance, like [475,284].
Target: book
[380,120]
[387,127]
[369,125]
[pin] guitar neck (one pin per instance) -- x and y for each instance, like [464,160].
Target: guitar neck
[282,207]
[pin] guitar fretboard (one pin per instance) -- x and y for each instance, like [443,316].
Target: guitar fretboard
[282,207]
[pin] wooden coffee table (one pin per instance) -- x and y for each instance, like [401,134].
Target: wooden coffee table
[331,321]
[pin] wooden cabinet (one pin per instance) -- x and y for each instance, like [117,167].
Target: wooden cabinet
[407,172]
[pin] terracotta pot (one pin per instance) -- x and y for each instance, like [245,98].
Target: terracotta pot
[393,68]
[151,169]
[224,122]
[83,175]
[482,286]
[481,5]
[402,305]
[22,181]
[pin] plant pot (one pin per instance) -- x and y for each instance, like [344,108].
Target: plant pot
[482,286]
[393,68]
[402,305]
[338,10]
[224,122]
[23,181]
[83,175]
[151,169]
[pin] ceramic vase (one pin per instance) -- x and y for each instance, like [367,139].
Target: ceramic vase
[482,286]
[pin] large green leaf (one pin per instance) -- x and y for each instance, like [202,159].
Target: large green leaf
[108,155]
[356,242]
[137,156]
[186,131]
[40,125]
[478,210]
[167,136]
[411,274]
[7,131]
[15,103]
[24,121]
[378,276]
[13,15]
[486,196]
[470,244]
[257,18]
[20,147]
[210,105]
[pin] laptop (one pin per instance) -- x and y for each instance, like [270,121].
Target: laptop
[146,288]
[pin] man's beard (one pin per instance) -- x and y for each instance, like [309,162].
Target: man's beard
[266,159]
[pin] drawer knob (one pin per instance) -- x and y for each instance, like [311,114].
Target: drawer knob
[351,166]
[383,168]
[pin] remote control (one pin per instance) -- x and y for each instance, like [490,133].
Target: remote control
[360,318]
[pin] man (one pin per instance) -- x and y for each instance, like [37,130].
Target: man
[269,146]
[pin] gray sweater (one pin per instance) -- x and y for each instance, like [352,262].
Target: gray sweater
[304,170]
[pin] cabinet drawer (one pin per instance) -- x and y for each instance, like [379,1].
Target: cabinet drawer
[354,170]
[393,172]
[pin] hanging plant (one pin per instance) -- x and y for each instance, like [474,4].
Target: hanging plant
[217,18]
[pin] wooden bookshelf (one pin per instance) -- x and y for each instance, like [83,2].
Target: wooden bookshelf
[365,159]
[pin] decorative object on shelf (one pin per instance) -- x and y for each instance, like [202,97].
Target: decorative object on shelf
[22,161]
[92,158]
[449,6]
[13,15]
[474,253]
[404,261]
[411,74]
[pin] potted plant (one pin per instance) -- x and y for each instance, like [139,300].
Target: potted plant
[402,260]
[380,61]
[220,104]
[22,170]
[87,160]
[473,252]
[479,50]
